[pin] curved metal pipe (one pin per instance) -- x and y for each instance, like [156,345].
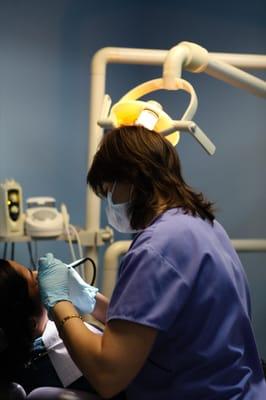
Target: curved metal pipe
[111,261]
[185,55]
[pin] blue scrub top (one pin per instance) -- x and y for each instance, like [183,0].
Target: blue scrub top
[182,277]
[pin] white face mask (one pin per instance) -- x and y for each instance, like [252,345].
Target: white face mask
[117,214]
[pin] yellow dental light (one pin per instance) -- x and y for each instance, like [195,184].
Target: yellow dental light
[131,111]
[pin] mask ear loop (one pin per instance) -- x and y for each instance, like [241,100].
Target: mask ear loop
[113,189]
[131,192]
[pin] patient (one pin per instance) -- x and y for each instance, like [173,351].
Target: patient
[24,328]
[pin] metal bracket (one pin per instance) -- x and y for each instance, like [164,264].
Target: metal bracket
[198,134]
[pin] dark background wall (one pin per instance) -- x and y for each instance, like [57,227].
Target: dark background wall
[45,53]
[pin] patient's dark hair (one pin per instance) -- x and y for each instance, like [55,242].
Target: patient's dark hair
[148,161]
[16,324]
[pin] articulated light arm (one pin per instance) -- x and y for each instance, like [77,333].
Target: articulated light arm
[198,134]
[195,58]
[106,123]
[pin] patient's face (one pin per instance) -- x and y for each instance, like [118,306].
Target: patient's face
[33,288]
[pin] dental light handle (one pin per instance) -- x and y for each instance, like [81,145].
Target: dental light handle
[107,102]
[202,139]
[106,123]
[195,131]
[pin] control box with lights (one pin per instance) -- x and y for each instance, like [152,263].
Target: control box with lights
[11,209]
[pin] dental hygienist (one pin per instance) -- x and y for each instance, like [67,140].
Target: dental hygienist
[178,323]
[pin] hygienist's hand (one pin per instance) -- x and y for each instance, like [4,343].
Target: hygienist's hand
[81,294]
[53,276]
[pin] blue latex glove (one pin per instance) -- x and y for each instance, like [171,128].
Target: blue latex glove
[81,293]
[53,278]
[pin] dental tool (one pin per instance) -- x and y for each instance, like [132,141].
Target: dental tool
[81,261]
[76,263]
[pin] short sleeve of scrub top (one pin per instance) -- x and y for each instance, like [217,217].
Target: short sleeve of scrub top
[149,290]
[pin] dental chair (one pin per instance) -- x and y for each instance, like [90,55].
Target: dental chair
[12,391]
[52,393]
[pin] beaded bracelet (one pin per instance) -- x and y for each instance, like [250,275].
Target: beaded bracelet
[64,320]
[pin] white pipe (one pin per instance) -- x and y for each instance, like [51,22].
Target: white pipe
[236,77]
[115,250]
[176,60]
[124,55]
[243,61]
[111,261]
[93,204]
[185,55]
[249,245]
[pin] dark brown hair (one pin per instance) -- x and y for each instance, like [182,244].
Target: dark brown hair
[143,158]
[16,321]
